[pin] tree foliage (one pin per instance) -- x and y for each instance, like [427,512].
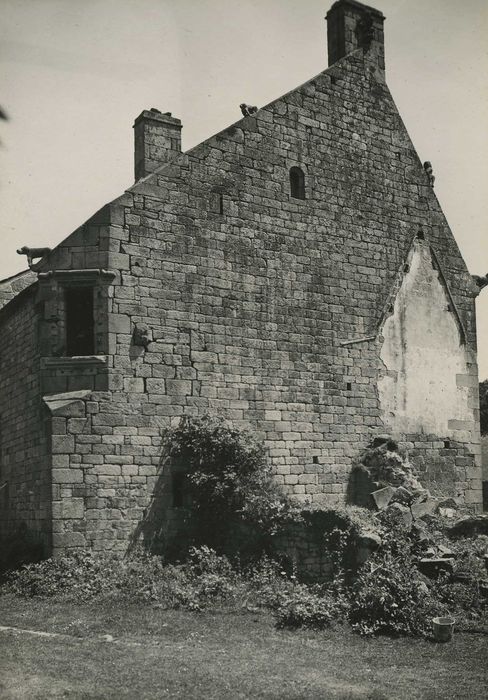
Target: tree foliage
[235,502]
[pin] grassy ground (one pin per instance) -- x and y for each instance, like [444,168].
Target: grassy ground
[156,653]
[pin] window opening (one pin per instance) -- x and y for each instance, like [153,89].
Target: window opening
[80,326]
[348,386]
[297,183]
[217,202]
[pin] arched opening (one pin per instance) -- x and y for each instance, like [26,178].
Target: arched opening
[297,183]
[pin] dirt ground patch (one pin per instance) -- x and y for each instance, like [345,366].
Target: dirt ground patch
[114,651]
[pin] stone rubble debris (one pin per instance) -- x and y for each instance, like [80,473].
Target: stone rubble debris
[397,492]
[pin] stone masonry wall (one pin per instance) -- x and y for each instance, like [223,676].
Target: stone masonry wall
[25,495]
[263,308]
[10,287]
[252,311]
[269,313]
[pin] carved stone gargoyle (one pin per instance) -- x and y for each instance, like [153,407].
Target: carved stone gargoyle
[33,254]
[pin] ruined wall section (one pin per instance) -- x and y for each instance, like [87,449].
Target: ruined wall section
[25,495]
[428,388]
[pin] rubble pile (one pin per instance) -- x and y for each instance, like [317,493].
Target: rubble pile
[391,487]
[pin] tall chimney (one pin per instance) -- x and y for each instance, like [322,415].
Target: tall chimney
[352,26]
[156,137]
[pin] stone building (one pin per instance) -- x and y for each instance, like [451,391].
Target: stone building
[293,273]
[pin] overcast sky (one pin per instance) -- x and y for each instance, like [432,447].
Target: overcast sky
[75,74]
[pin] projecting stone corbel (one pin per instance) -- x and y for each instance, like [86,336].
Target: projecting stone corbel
[480,282]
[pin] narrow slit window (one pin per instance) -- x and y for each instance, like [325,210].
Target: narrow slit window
[80,326]
[297,183]
[217,203]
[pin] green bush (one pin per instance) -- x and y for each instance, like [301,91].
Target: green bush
[203,580]
[236,505]
[390,597]
[304,608]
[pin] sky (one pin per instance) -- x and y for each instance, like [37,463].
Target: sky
[76,73]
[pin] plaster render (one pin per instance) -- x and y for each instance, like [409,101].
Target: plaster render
[429,375]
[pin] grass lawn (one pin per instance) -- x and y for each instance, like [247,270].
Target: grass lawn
[154,653]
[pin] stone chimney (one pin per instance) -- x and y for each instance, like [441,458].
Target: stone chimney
[157,136]
[352,26]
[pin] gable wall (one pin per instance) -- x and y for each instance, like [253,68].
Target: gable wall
[254,314]
[248,311]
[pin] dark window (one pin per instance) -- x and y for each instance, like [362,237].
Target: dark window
[349,386]
[216,203]
[79,321]
[297,183]
[447,444]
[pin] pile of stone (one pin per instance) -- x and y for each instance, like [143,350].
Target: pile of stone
[397,492]
[388,484]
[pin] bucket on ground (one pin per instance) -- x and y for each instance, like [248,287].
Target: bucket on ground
[443,628]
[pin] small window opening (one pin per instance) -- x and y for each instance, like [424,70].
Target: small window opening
[420,236]
[178,488]
[217,202]
[406,268]
[390,309]
[349,386]
[297,183]
[80,326]
[447,444]
[315,459]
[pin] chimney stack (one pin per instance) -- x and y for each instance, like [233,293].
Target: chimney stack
[157,136]
[352,26]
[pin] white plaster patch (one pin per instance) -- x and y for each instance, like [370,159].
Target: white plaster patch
[422,355]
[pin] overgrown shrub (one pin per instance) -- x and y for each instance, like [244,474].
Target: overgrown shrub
[235,503]
[302,607]
[204,579]
[267,583]
[390,598]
